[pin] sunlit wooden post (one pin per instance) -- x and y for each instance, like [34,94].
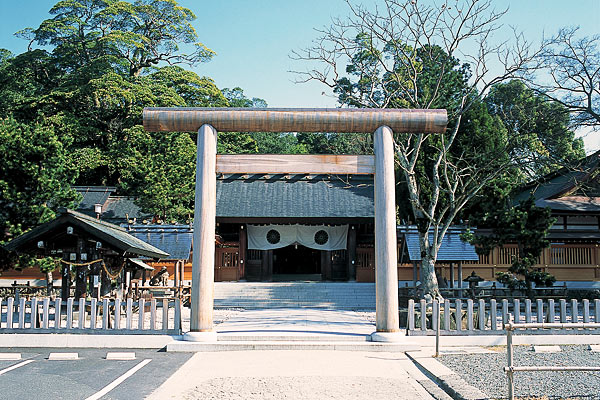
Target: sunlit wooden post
[203,258]
[386,273]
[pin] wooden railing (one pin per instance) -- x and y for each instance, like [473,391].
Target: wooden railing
[556,254]
[457,317]
[82,316]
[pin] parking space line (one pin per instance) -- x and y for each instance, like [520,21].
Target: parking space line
[5,370]
[119,380]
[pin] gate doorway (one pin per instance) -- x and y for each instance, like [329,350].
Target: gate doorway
[296,262]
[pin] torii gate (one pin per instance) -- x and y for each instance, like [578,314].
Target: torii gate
[207,121]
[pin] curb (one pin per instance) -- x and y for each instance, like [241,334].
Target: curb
[448,380]
[65,340]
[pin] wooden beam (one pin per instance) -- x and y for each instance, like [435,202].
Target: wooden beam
[295,164]
[342,120]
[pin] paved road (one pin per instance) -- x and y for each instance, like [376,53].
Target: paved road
[80,379]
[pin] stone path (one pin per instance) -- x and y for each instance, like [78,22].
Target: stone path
[310,375]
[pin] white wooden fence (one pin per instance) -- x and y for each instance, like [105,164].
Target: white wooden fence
[81,316]
[459,317]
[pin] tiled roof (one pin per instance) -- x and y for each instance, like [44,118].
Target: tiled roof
[119,208]
[572,203]
[103,231]
[558,183]
[173,239]
[92,195]
[452,248]
[299,196]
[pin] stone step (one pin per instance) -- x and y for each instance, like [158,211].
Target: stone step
[289,337]
[183,346]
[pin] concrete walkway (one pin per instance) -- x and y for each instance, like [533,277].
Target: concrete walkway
[306,375]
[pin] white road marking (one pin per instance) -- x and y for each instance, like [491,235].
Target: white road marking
[5,370]
[119,380]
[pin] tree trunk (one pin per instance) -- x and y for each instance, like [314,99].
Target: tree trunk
[429,283]
[49,283]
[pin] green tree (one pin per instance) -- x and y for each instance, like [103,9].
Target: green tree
[404,55]
[35,177]
[527,226]
[537,129]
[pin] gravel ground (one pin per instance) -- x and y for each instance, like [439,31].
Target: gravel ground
[300,388]
[485,372]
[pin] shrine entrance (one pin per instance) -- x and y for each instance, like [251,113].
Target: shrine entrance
[296,262]
[382,122]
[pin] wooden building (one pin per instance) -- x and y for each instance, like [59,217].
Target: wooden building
[93,253]
[317,202]
[573,195]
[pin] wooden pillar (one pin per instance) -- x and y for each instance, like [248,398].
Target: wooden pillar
[386,272]
[451,275]
[65,275]
[242,250]
[352,253]
[81,271]
[326,265]
[205,209]
[460,278]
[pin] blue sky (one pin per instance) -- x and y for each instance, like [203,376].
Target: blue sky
[254,38]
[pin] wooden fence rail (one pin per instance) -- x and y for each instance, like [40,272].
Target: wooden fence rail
[91,316]
[484,317]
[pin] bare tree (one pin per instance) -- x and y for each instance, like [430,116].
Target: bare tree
[404,54]
[569,73]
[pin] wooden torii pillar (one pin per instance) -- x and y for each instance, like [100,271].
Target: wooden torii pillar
[209,121]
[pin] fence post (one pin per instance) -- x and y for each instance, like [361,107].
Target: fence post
[563,311]
[45,312]
[540,311]
[153,314]
[58,313]
[574,311]
[423,315]
[551,316]
[34,313]
[105,314]
[128,313]
[22,311]
[178,315]
[411,315]
[586,310]
[10,312]
[493,314]
[141,311]
[165,314]
[93,313]
[505,316]
[597,311]
[481,309]
[117,314]
[458,315]
[70,313]
[516,311]
[435,315]
[509,353]
[470,314]
[528,311]
[436,319]
[81,323]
